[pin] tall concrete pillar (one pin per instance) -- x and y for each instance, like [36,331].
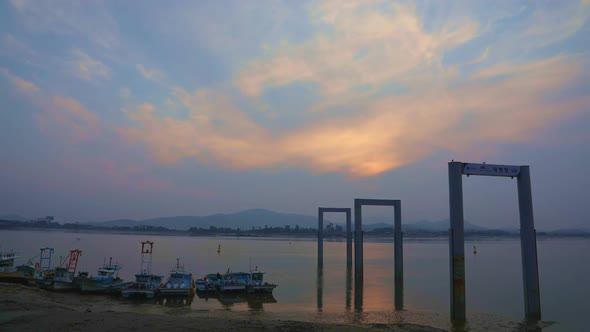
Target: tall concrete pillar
[399,257]
[528,243]
[456,241]
[320,237]
[348,240]
[358,243]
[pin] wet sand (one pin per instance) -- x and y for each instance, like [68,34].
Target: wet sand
[30,309]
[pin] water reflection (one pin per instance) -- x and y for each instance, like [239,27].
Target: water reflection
[399,292]
[348,285]
[255,302]
[320,285]
[175,301]
[358,296]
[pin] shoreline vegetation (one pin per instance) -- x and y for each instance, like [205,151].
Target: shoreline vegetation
[334,232]
[29,309]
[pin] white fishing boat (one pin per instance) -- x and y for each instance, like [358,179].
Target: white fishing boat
[179,282]
[106,280]
[146,284]
[9,273]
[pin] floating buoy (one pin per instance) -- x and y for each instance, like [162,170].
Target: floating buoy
[474,250]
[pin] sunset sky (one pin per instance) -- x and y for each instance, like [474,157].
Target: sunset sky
[138,109]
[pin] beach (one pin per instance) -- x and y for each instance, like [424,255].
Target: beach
[29,309]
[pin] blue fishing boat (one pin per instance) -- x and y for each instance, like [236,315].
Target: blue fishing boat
[227,282]
[106,280]
[256,284]
[204,286]
[146,284]
[179,282]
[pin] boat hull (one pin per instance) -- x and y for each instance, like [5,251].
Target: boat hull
[62,286]
[177,291]
[91,286]
[261,289]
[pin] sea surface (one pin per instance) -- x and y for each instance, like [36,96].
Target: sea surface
[493,277]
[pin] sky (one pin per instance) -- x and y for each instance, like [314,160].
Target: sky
[139,109]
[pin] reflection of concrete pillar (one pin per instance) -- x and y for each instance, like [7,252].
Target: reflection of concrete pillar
[358,243]
[320,237]
[358,296]
[456,241]
[348,285]
[348,240]
[528,243]
[320,287]
[399,257]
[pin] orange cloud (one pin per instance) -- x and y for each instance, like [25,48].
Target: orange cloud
[66,118]
[20,84]
[384,134]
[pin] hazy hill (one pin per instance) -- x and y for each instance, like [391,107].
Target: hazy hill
[244,220]
[13,217]
[261,217]
[422,225]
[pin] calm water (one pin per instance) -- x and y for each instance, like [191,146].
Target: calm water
[494,279]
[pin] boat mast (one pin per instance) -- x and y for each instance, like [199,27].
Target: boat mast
[43,257]
[146,257]
[73,256]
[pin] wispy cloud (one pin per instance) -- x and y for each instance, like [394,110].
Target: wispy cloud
[19,83]
[365,47]
[150,74]
[85,67]
[65,118]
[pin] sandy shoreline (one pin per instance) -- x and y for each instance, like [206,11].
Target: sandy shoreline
[29,309]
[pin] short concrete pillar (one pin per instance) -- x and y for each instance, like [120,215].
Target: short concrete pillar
[348,240]
[321,211]
[398,245]
[320,237]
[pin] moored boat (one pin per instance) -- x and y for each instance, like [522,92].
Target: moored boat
[179,282]
[204,286]
[146,284]
[106,280]
[256,284]
[63,279]
[227,282]
[9,273]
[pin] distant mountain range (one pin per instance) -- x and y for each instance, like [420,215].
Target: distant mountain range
[244,220]
[259,218]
